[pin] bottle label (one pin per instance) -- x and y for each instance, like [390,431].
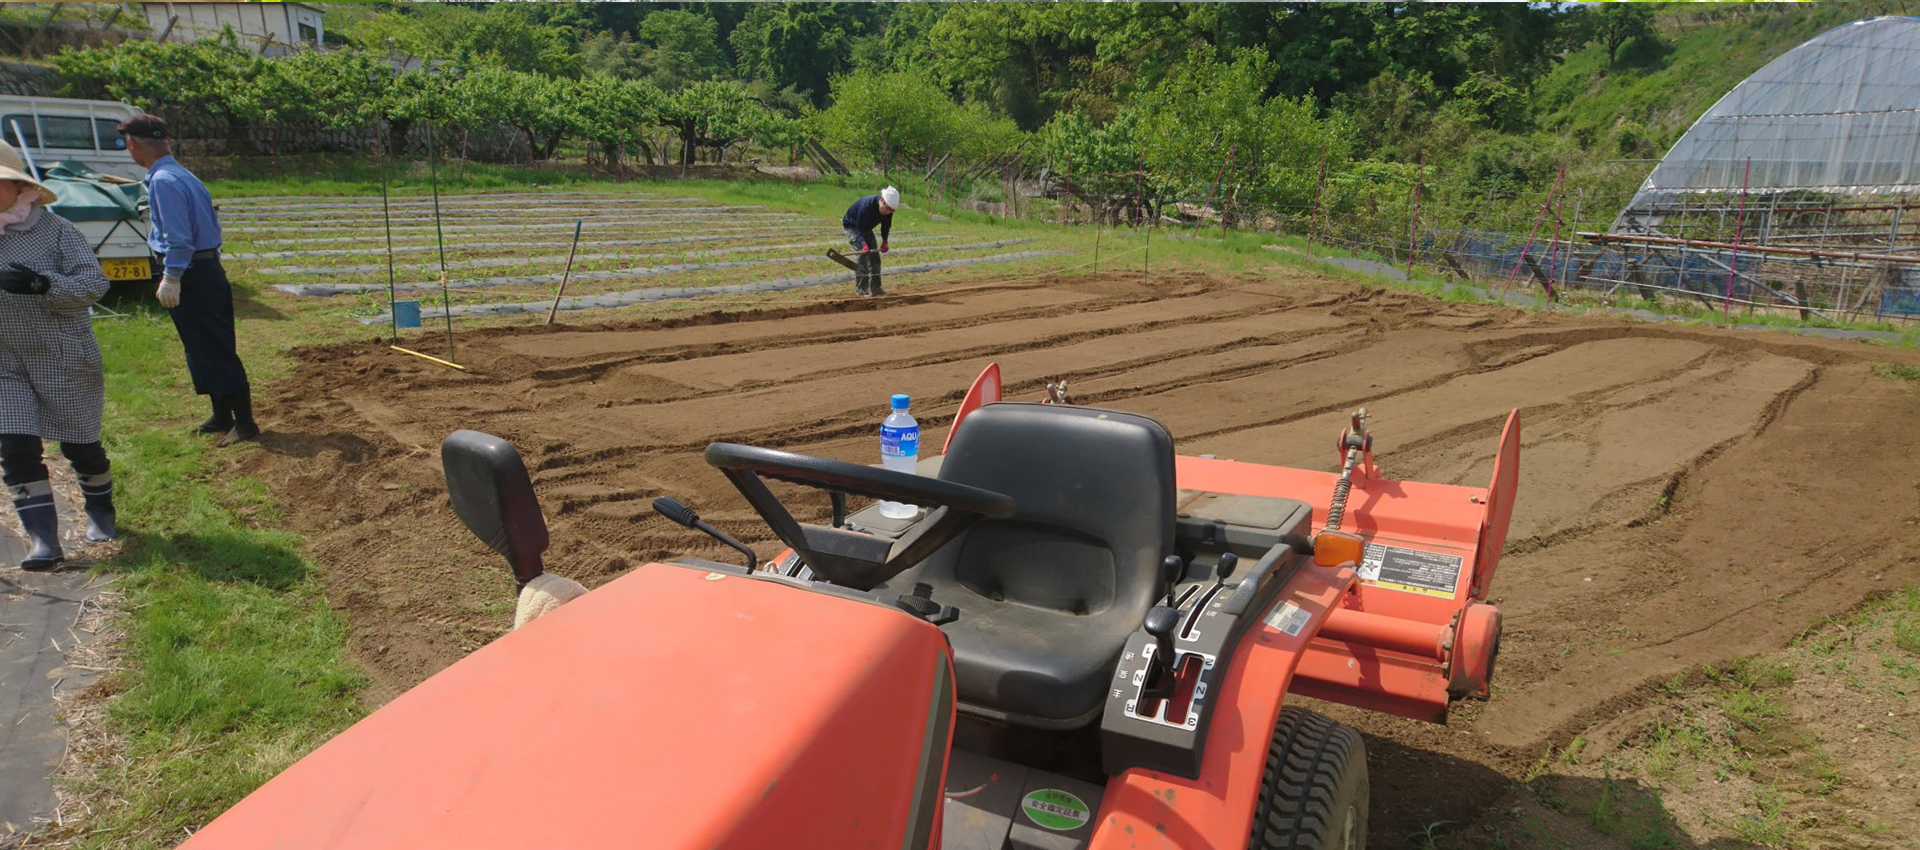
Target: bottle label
[897,441]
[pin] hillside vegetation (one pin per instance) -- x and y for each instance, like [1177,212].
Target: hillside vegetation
[1137,104]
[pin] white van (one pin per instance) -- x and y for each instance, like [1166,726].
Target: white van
[52,129]
[57,129]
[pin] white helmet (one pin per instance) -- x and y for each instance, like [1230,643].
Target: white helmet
[891,197]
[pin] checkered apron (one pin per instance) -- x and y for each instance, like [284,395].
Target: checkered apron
[51,383]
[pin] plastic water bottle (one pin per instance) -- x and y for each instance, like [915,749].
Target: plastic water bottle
[900,452]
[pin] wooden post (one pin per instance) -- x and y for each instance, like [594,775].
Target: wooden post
[1573,226]
[1553,248]
[1531,235]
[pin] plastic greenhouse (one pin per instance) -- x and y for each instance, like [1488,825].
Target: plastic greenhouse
[1797,187]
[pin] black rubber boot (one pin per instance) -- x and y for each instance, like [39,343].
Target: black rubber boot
[220,422]
[244,428]
[98,490]
[33,501]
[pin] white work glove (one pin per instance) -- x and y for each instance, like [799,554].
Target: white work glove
[169,292]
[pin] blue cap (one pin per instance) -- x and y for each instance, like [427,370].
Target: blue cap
[899,401]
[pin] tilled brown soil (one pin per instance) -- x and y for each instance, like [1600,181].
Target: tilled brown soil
[1687,495]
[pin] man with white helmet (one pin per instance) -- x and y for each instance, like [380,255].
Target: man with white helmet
[860,220]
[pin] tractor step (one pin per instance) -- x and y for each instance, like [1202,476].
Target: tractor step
[993,804]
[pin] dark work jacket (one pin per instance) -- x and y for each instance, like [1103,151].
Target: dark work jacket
[863,216]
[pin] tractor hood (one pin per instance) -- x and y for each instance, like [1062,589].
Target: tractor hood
[675,707]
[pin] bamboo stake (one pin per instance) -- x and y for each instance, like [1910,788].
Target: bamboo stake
[428,357]
[440,237]
[569,272]
[386,212]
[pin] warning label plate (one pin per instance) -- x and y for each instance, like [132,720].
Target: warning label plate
[1411,570]
[1289,618]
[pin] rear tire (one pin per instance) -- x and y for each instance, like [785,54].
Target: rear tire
[1314,793]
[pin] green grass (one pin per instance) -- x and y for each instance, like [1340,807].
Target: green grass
[234,664]
[1897,371]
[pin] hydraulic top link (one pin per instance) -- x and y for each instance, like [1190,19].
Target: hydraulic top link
[1355,443]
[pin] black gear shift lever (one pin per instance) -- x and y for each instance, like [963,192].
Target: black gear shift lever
[1228,561]
[1161,620]
[1172,569]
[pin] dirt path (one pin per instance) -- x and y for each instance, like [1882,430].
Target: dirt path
[1687,495]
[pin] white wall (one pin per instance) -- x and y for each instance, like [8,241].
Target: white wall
[255,23]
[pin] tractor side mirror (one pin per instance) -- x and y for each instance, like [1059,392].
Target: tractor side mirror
[487,483]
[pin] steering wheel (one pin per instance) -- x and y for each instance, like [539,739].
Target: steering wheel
[848,558]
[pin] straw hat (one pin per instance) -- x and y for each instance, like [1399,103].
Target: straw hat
[13,168]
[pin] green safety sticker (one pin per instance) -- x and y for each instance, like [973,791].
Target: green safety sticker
[1055,809]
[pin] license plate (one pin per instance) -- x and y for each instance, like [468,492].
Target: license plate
[137,268]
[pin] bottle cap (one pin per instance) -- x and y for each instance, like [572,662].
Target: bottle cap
[900,401]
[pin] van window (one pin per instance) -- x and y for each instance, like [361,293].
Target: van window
[109,133]
[63,131]
[28,134]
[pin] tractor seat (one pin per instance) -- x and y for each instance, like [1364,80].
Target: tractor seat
[1048,596]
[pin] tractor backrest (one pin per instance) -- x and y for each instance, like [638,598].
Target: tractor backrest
[1095,495]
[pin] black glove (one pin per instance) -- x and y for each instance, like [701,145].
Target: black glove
[20,280]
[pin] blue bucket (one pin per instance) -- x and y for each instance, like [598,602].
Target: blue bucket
[406,314]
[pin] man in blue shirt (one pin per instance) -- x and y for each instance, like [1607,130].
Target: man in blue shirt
[185,237]
[859,222]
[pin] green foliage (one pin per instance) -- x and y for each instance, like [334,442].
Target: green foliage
[1020,58]
[1614,24]
[1495,97]
[418,31]
[208,75]
[682,48]
[339,90]
[1099,161]
[903,116]
[538,106]
[502,40]
[713,115]
[800,45]
[615,113]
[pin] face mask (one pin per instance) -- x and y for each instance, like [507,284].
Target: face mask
[21,208]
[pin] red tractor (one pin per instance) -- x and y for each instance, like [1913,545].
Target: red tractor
[1083,641]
